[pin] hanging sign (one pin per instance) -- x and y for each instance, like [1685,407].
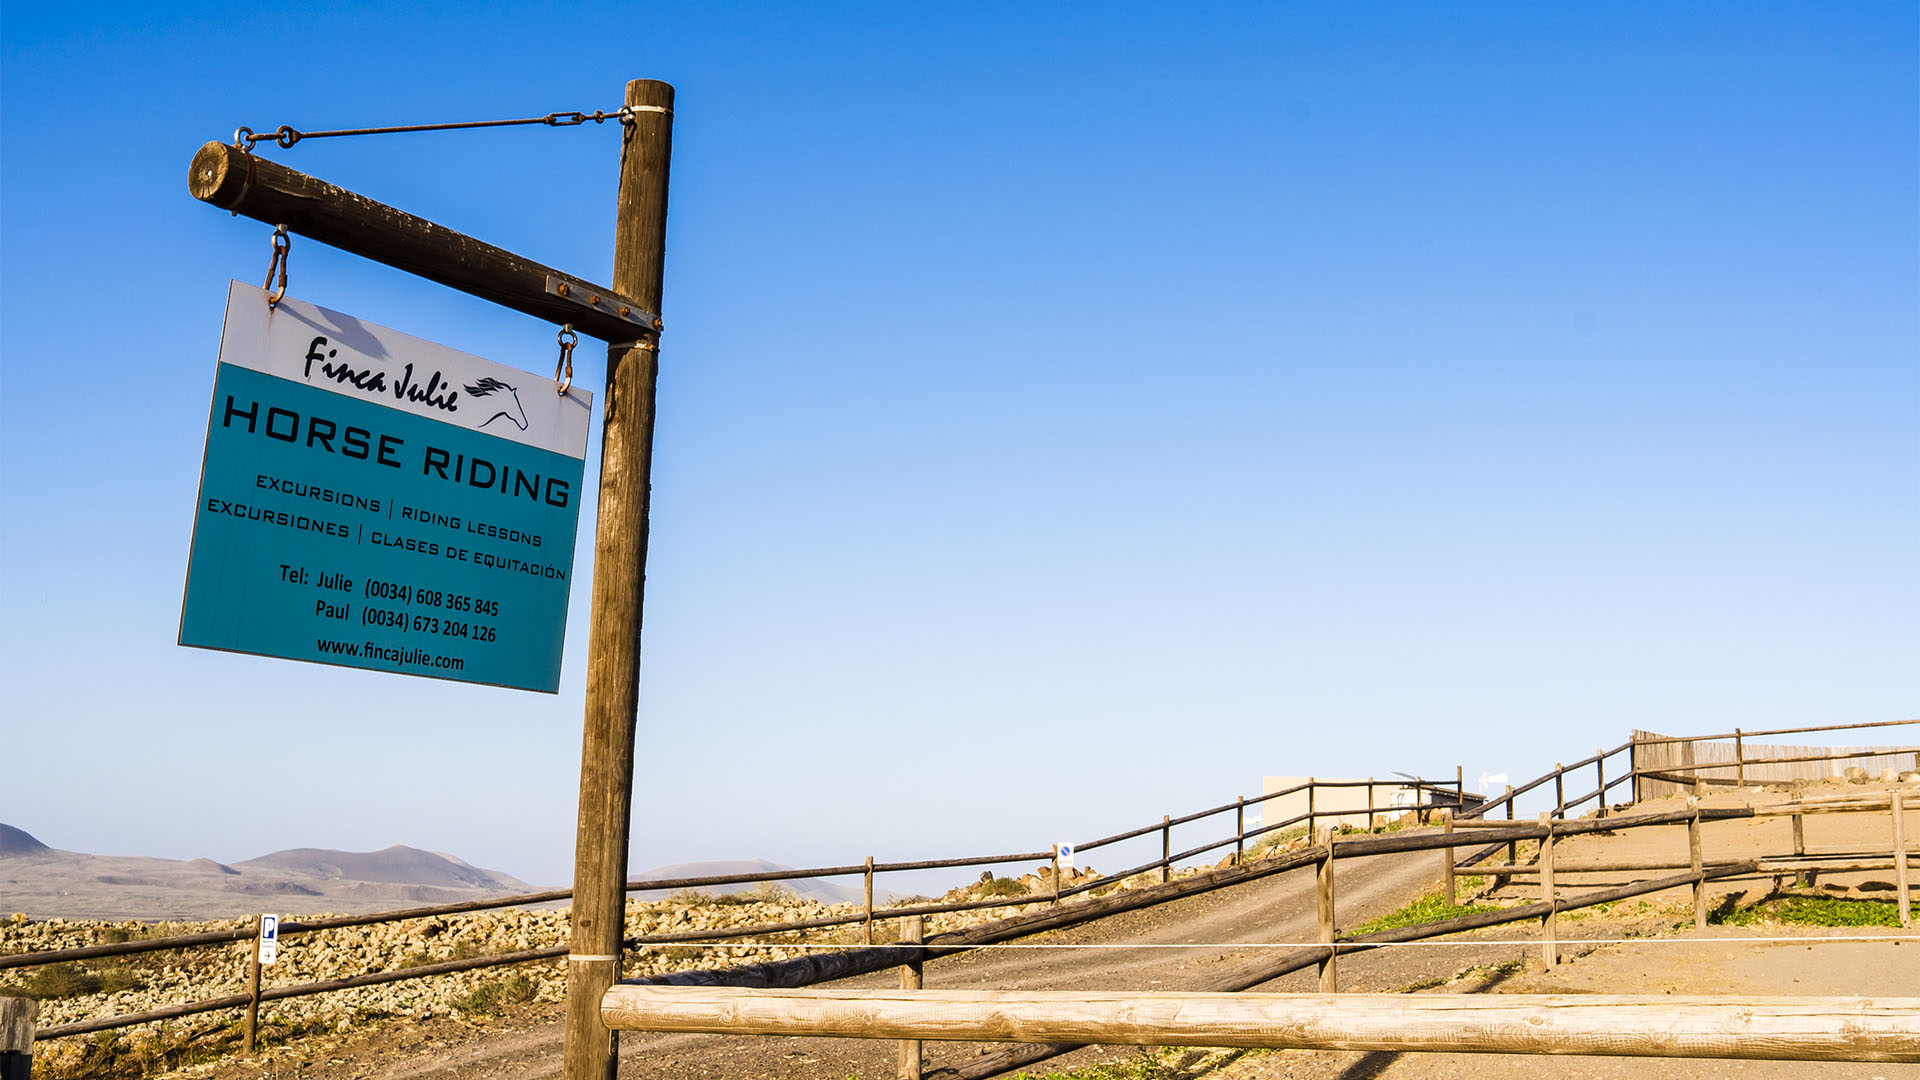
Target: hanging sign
[373,500]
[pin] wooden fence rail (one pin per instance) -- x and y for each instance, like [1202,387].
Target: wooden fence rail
[1765,1028]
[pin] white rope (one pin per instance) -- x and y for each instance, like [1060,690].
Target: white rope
[1565,943]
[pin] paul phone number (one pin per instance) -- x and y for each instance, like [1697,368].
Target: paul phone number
[406,622]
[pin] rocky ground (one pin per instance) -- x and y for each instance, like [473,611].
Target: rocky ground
[120,986]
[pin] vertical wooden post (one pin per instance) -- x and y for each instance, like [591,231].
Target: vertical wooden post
[1693,860]
[1805,877]
[1904,891]
[16,1037]
[1633,769]
[1323,901]
[1369,804]
[1549,925]
[1739,760]
[1056,873]
[619,586]
[1310,815]
[1513,849]
[1600,777]
[1559,790]
[1239,829]
[1166,847]
[251,1031]
[913,930]
[866,928]
[1447,853]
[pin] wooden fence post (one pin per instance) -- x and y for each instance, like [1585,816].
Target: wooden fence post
[1804,877]
[1904,891]
[1369,804]
[1513,849]
[1166,848]
[1559,790]
[1056,873]
[1693,860]
[253,991]
[16,1037]
[599,912]
[1633,769]
[1549,924]
[1447,853]
[866,928]
[1323,901]
[913,930]
[1739,760]
[1239,830]
[1600,777]
[1310,815]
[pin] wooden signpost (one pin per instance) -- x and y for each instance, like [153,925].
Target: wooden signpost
[626,317]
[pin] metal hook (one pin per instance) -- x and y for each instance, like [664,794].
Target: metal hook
[563,368]
[282,244]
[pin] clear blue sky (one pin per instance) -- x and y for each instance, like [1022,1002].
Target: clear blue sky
[1070,413]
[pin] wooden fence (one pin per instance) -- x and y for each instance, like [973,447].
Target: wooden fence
[1672,765]
[1611,770]
[1436,795]
[1832,1028]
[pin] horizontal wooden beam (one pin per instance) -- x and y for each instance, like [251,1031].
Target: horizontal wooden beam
[1656,741]
[1770,1028]
[265,190]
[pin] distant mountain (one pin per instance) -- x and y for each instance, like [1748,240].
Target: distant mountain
[812,888]
[45,882]
[396,865]
[19,842]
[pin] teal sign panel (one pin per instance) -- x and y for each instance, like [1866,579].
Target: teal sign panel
[373,500]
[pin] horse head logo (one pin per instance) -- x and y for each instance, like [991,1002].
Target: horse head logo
[491,385]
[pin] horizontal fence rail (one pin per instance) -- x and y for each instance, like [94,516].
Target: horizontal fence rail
[1766,1028]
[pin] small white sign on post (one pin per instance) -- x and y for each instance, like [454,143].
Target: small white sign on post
[269,938]
[1064,854]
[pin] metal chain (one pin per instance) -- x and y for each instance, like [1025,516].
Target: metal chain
[285,136]
[282,245]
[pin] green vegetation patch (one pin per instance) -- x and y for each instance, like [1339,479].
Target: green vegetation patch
[128,1055]
[1167,1063]
[490,997]
[74,980]
[1429,908]
[1001,886]
[1814,911]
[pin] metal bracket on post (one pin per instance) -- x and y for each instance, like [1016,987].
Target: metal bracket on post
[594,298]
